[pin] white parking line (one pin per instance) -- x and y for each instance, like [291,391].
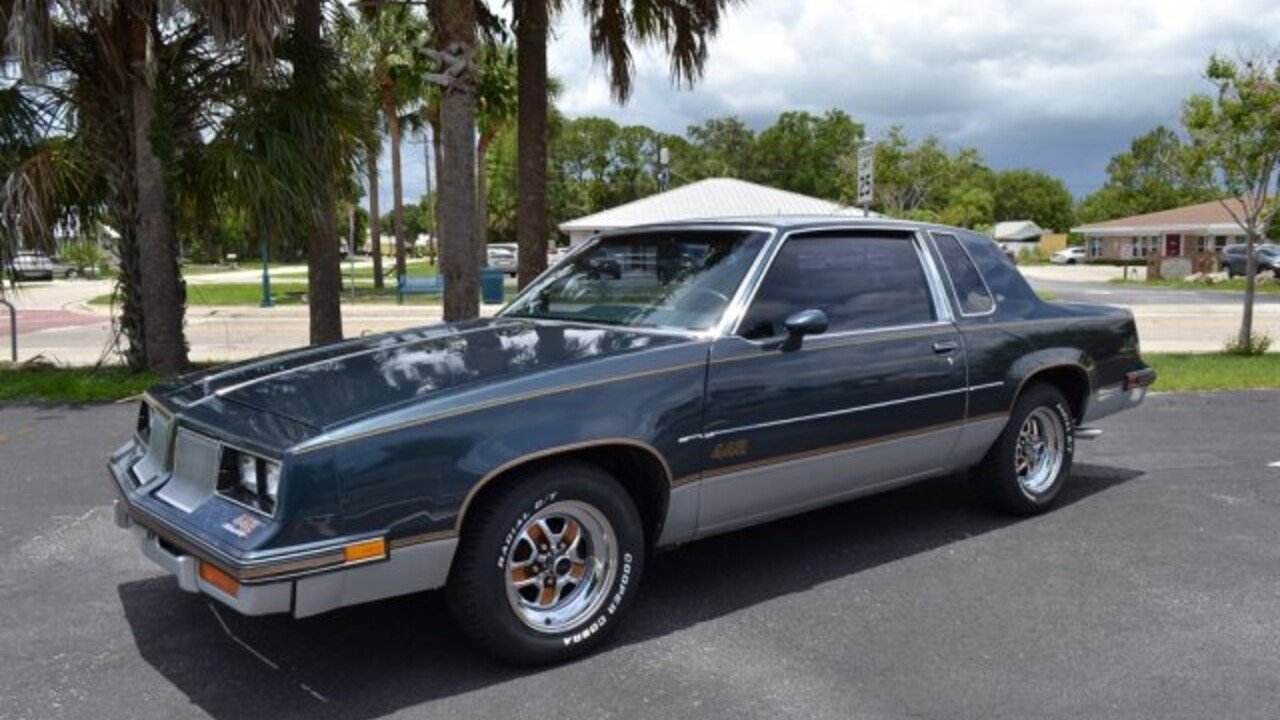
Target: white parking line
[1275,464]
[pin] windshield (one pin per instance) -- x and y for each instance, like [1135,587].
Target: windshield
[664,279]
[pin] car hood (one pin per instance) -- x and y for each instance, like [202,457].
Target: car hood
[331,385]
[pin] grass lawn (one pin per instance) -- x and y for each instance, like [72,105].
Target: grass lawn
[1229,285]
[71,385]
[1179,372]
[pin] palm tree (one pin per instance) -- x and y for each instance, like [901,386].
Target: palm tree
[319,132]
[455,21]
[163,293]
[682,26]
[99,63]
[495,109]
[375,221]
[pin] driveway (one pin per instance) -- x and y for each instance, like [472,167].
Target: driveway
[1150,593]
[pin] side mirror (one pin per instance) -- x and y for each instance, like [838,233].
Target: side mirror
[805,322]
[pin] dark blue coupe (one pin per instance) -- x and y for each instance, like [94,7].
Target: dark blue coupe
[656,386]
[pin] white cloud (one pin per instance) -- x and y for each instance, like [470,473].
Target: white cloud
[1053,84]
[973,71]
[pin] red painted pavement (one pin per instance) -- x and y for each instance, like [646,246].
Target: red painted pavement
[30,321]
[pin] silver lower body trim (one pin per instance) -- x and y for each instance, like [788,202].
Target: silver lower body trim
[408,569]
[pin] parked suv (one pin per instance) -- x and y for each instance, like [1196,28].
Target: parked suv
[30,265]
[1235,259]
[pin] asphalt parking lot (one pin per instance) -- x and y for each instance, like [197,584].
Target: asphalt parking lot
[1152,592]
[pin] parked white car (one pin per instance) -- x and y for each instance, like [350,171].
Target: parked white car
[503,256]
[1070,256]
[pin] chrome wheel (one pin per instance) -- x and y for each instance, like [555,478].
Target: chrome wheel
[561,565]
[1040,450]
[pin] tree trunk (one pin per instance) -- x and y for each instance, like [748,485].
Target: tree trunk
[531,138]
[375,222]
[163,294]
[482,198]
[1250,283]
[436,162]
[458,176]
[122,199]
[392,114]
[324,272]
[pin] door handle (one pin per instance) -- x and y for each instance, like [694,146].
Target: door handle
[945,346]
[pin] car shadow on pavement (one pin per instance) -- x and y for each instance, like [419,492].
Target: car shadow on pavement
[372,660]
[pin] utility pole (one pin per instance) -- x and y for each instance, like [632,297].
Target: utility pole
[664,174]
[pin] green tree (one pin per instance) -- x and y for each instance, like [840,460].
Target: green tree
[495,111]
[925,180]
[1237,132]
[1033,195]
[719,147]
[101,62]
[803,153]
[1158,172]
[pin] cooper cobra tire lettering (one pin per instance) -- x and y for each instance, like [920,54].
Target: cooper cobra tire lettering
[484,573]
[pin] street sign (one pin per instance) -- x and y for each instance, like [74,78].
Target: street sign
[866,174]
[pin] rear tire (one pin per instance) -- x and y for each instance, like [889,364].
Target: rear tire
[547,564]
[1025,469]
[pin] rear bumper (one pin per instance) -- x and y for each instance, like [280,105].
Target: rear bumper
[1116,398]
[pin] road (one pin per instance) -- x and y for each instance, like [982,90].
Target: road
[1150,593]
[56,323]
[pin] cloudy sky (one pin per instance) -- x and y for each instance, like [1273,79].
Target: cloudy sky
[1059,86]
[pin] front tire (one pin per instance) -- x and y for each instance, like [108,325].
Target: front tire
[547,564]
[1025,469]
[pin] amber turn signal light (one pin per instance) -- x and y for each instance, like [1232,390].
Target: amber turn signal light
[366,550]
[219,579]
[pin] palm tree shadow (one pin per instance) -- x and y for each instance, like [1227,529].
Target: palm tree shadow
[372,660]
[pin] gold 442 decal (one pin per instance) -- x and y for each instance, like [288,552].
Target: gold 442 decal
[729,450]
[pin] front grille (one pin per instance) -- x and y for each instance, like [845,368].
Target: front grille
[195,471]
[156,458]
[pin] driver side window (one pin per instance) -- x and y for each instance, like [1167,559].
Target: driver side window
[861,282]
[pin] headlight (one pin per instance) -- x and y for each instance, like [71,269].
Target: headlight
[143,424]
[249,473]
[249,479]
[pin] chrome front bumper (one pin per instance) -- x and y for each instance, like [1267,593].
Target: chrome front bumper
[263,599]
[409,567]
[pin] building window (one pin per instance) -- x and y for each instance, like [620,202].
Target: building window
[1094,247]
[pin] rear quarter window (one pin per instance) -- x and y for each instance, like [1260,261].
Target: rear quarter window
[971,292]
[1012,294]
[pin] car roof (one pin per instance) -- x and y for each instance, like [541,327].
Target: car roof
[792,223]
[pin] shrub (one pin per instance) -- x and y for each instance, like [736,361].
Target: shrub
[1259,344]
[86,256]
[1032,256]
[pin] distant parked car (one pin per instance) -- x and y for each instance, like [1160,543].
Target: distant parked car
[1070,256]
[1235,259]
[30,265]
[503,256]
[64,269]
[554,254]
